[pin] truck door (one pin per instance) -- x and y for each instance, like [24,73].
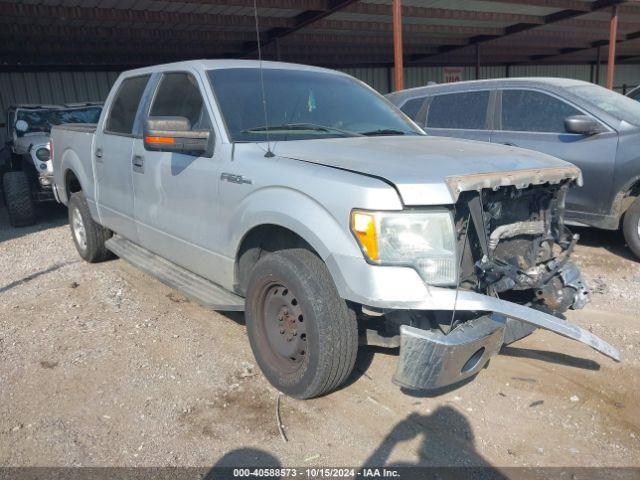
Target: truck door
[459,115]
[176,194]
[535,120]
[112,158]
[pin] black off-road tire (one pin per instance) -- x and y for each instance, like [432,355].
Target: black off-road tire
[92,249]
[631,227]
[17,198]
[300,279]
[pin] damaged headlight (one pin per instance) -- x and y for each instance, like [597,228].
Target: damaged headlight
[424,240]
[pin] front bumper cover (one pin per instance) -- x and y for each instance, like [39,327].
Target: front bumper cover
[401,288]
[429,359]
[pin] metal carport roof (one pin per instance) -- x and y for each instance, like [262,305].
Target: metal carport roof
[117,33]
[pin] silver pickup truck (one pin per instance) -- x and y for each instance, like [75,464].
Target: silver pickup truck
[305,199]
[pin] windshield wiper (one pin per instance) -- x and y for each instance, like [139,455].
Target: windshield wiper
[300,127]
[384,131]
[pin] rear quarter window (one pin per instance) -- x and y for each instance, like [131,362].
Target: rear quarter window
[465,110]
[412,107]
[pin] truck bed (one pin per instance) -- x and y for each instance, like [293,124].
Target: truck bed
[78,127]
[73,147]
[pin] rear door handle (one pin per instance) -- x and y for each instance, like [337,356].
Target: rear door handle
[509,144]
[98,154]
[138,163]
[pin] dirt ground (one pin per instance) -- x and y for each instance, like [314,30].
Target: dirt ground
[101,365]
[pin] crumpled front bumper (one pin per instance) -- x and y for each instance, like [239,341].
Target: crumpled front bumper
[429,359]
[401,288]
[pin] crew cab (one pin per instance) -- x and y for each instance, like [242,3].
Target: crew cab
[302,197]
[596,129]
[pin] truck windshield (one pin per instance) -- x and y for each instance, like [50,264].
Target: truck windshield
[41,120]
[619,106]
[302,105]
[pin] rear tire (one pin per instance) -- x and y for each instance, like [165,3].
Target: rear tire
[88,236]
[303,335]
[17,197]
[631,227]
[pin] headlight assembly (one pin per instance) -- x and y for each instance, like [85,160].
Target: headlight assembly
[424,240]
[43,154]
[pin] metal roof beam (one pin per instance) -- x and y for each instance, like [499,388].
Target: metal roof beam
[279,4]
[550,19]
[409,11]
[559,4]
[381,39]
[408,28]
[126,35]
[82,34]
[592,45]
[100,48]
[300,21]
[123,18]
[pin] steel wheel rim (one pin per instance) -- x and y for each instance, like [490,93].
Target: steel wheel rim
[79,231]
[283,327]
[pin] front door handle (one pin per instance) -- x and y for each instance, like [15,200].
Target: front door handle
[509,144]
[98,154]
[138,163]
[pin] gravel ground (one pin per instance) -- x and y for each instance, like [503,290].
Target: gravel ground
[104,366]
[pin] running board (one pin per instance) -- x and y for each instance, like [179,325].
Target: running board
[203,291]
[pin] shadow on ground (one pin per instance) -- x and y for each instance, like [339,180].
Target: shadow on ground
[611,240]
[49,215]
[243,457]
[446,440]
[551,357]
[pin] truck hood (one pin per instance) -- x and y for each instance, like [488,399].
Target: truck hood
[432,170]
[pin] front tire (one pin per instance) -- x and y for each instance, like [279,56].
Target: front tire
[631,227]
[17,197]
[303,335]
[88,236]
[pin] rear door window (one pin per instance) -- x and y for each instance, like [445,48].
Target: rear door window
[531,111]
[179,96]
[466,110]
[124,106]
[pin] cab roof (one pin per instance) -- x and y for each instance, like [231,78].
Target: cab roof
[204,64]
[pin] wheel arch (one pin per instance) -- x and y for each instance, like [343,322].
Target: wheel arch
[71,183]
[290,217]
[265,237]
[625,197]
[74,177]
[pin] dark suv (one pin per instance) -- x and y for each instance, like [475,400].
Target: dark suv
[596,129]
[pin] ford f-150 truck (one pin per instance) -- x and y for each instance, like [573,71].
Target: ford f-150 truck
[305,199]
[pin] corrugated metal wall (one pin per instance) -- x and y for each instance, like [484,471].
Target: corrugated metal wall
[379,78]
[69,87]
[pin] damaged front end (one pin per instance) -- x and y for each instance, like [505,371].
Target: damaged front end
[516,247]
[515,276]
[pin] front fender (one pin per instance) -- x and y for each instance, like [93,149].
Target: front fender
[327,233]
[296,211]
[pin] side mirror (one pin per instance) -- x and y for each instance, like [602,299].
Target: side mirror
[22,126]
[174,134]
[583,125]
